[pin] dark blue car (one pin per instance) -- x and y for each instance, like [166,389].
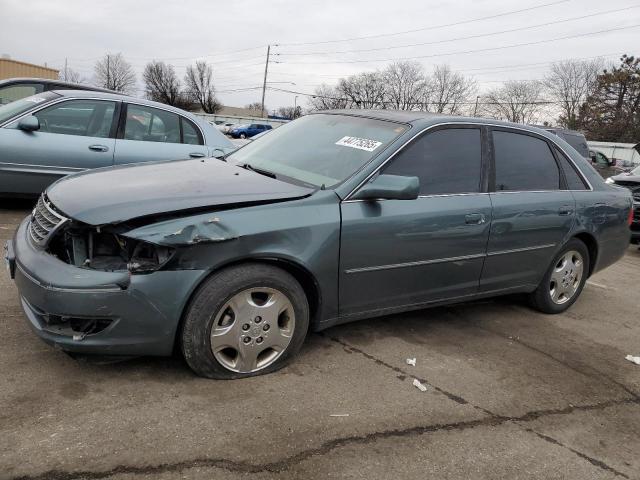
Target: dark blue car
[248,131]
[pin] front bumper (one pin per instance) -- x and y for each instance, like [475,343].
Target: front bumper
[142,311]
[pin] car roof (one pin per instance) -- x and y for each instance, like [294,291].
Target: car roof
[55,83]
[121,97]
[422,119]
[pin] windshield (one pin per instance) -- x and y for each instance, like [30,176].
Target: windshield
[18,107]
[319,149]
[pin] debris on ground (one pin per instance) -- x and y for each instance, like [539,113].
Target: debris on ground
[633,359]
[339,415]
[419,385]
[411,361]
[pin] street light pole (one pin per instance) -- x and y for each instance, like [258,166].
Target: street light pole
[295,107]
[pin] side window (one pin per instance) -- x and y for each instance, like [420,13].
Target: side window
[574,181]
[87,118]
[445,161]
[150,124]
[601,160]
[190,133]
[524,163]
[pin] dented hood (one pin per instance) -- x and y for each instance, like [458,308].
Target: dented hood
[113,195]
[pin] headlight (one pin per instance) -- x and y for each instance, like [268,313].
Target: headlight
[609,181]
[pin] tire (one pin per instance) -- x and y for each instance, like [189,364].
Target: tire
[243,136]
[258,302]
[549,296]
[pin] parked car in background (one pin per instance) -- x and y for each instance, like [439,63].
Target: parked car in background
[605,166]
[14,89]
[55,133]
[249,130]
[333,217]
[631,180]
[225,127]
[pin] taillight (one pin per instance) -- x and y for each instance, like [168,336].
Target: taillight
[630,219]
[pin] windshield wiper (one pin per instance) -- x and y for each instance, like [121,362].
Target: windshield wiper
[266,173]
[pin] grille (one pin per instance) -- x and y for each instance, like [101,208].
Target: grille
[44,221]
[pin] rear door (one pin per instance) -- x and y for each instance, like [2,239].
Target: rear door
[74,135]
[149,134]
[407,252]
[532,210]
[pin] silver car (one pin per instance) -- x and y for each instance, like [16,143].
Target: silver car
[56,133]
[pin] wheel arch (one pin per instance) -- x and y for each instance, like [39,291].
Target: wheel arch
[592,246]
[303,276]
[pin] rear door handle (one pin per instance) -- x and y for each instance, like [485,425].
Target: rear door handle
[474,219]
[565,210]
[197,155]
[99,148]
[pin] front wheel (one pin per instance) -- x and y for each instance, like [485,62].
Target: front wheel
[564,280]
[244,321]
[243,136]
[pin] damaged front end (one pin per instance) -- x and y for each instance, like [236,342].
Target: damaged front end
[105,248]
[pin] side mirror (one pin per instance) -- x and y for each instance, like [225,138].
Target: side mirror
[29,124]
[390,187]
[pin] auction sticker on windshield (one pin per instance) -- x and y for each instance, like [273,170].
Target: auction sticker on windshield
[359,143]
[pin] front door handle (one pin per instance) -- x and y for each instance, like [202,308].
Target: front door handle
[99,148]
[474,219]
[196,154]
[565,210]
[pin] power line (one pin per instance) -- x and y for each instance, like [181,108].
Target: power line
[503,47]
[433,27]
[435,42]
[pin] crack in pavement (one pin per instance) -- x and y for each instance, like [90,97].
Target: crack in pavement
[288,462]
[533,415]
[597,373]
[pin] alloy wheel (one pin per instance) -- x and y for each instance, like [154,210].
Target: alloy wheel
[566,277]
[252,330]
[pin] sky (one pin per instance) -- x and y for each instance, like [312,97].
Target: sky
[316,42]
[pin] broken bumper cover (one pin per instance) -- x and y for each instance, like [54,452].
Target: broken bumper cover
[137,314]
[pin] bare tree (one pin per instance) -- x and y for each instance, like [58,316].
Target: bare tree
[72,76]
[448,91]
[570,83]
[516,101]
[406,85]
[115,73]
[364,90]
[290,112]
[327,98]
[255,108]
[199,82]
[161,83]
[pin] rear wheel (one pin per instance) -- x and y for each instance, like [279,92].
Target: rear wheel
[564,280]
[244,321]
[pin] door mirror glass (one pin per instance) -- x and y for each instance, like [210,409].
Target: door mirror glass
[390,187]
[29,124]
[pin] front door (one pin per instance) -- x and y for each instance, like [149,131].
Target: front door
[532,211]
[151,134]
[409,252]
[74,135]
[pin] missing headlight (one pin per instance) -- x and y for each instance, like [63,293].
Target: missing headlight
[100,249]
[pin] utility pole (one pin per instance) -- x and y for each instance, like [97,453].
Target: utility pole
[66,73]
[295,107]
[475,110]
[264,84]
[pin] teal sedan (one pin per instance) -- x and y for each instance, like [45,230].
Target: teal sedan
[56,133]
[334,217]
